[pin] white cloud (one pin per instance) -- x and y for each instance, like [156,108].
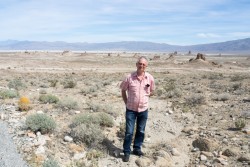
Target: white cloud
[208,35]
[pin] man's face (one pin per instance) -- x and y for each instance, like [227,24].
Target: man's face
[141,65]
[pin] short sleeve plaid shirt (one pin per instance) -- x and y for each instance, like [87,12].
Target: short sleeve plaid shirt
[138,91]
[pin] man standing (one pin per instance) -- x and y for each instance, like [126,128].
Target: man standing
[136,89]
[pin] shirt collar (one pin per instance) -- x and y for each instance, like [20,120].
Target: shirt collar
[134,74]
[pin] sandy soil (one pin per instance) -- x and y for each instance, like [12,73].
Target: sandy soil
[169,114]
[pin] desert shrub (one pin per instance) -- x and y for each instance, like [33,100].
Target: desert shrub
[40,122]
[69,83]
[185,108]
[215,76]
[240,123]
[107,82]
[16,84]
[122,129]
[95,107]
[216,85]
[43,85]
[77,163]
[8,94]
[85,118]
[53,82]
[235,86]
[105,119]
[159,92]
[169,85]
[48,99]
[88,90]
[89,134]
[195,99]
[67,103]
[221,97]
[50,163]
[107,108]
[237,77]
[174,93]
[94,154]
[239,92]
[24,104]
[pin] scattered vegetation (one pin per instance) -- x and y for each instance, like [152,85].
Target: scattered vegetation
[88,134]
[69,83]
[94,154]
[105,119]
[48,99]
[85,118]
[40,122]
[8,94]
[16,84]
[50,163]
[68,104]
[237,77]
[221,97]
[195,99]
[240,123]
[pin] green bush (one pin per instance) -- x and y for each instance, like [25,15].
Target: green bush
[85,118]
[215,76]
[16,84]
[94,154]
[40,122]
[222,97]
[105,119]
[174,93]
[48,99]
[67,103]
[89,134]
[50,163]
[195,99]
[69,83]
[237,77]
[240,123]
[89,90]
[8,94]
[53,82]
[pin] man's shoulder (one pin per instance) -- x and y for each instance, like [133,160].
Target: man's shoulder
[149,75]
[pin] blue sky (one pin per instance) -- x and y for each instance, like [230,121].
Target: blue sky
[179,22]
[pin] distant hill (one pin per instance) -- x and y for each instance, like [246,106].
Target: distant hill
[235,46]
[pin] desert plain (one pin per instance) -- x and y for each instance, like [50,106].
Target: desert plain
[199,114]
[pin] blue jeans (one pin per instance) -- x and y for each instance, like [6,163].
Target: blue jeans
[132,117]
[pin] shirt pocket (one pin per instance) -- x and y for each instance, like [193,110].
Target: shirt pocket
[147,88]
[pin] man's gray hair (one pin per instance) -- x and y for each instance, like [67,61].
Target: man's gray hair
[142,57]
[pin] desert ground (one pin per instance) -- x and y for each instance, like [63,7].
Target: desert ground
[199,115]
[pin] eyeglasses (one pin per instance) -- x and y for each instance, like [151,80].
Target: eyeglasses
[142,64]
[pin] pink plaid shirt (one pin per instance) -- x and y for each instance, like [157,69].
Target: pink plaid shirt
[138,91]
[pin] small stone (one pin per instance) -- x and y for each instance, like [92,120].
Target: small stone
[39,112]
[195,149]
[78,156]
[77,112]
[2,116]
[175,152]
[68,139]
[40,150]
[203,158]
[31,135]
[38,133]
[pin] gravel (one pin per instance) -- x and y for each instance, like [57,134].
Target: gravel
[9,156]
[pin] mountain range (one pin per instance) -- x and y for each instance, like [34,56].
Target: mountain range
[234,46]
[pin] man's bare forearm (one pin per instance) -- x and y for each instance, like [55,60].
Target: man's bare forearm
[124,96]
